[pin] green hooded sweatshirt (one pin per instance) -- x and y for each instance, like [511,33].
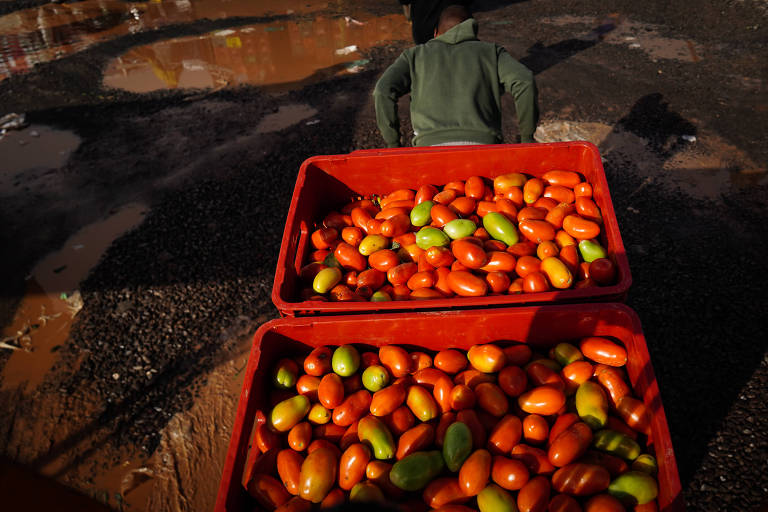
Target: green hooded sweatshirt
[456,83]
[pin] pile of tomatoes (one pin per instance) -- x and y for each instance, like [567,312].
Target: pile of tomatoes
[472,238]
[496,428]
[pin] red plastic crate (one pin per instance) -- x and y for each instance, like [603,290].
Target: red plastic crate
[326,183]
[541,326]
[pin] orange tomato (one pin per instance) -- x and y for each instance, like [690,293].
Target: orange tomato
[396,225]
[510,474]
[473,377]
[360,218]
[457,185]
[442,215]
[559,193]
[322,238]
[424,279]
[531,213]
[350,258]
[445,197]
[388,213]
[561,423]
[265,438]
[563,239]
[567,179]
[587,208]
[487,358]
[318,474]
[570,256]
[545,202]
[402,203]
[498,282]
[613,382]
[421,403]
[603,503]
[515,194]
[463,205]
[570,444]
[386,400]
[557,272]
[526,265]
[300,436]
[396,360]
[397,195]
[462,397]
[450,361]
[524,248]
[534,496]
[474,187]
[491,398]
[352,465]
[442,393]
[439,256]
[535,429]
[535,282]
[544,400]
[499,261]
[466,284]
[574,374]
[516,286]
[506,207]
[556,215]
[504,182]
[580,479]
[401,273]
[580,228]
[415,439]
[537,231]
[474,472]
[420,360]
[506,434]
[333,499]
[583,190]
[383,260]
[330,392]
[603,350]
[307,385]
[532,190]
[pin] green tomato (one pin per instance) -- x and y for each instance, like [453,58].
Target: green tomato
[420,214]
[500,228]
[375,377]
[634,488]
[285,374]
[591,250]
[380,296]
[345,360]
[459,228]
[495,499]
[565,354]
[431,237]
[646,463]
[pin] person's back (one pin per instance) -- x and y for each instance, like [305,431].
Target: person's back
[456,82]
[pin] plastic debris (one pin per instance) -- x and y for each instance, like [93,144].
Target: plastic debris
[688,138]
[357,65]
[353,21]
[314,121]
[12,121]
[347,50]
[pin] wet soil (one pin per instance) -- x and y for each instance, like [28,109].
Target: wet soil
[136,408]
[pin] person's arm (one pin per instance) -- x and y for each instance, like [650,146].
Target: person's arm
[518,80]
[394,83]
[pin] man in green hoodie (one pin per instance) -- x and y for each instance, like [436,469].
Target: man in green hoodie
[456,83]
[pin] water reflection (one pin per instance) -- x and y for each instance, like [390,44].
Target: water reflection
[52,31]
[266,54]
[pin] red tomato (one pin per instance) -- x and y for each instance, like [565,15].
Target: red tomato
[574,374]
[442,215]
[613,464]
[486,207]
[396,360]
[583,190]
[545,202]
[537,231]
[561,423]
[603,271]
[556,215]
[635,414]
[603,503]
[386,400]
[515,194]
[524,248]
[506,207]
[516,286]
[462,397]
[563,503]
[531,213]
[535,459]
[415,439]
[513,380]
[494,245]
[334,499]
[266,439]
[400,420]
[474,187]
[267,490]
[526,265]
[442,393]
[567,179]
[424,193]
[518,354]
[444,491]
[288,468]
[540,375]
[360,218]
[535,429]
[397,195]
[354,407]
[318,362]
[580,479]
[505,435]
[570,256]
[466,284]
[396,225]
[510,474]
[547,249]
[445,421]
[322,238]
[439,256]
[352,465]
[532,190]
[307,385]
[587,208]
[469,254]
[613,381]
[570,444]
[337,221]
[424,279]
[603,350]
[401,273]
[534,496]
[491,398]
[445,197]
[535,282]
[472,378]
[350,258]
[388,213]
[383,260]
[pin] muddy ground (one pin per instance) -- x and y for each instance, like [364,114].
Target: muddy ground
[133,404]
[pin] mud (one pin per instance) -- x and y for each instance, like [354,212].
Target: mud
[136,409]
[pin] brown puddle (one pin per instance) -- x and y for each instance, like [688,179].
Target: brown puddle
[44,316]
[55,30]
[268,54]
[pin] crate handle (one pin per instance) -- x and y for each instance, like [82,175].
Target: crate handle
[301,246]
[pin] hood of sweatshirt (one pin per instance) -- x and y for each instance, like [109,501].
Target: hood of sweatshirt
[464,31]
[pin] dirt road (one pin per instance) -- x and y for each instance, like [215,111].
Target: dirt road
[141,229]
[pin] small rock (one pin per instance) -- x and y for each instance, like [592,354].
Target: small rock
[116,376]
